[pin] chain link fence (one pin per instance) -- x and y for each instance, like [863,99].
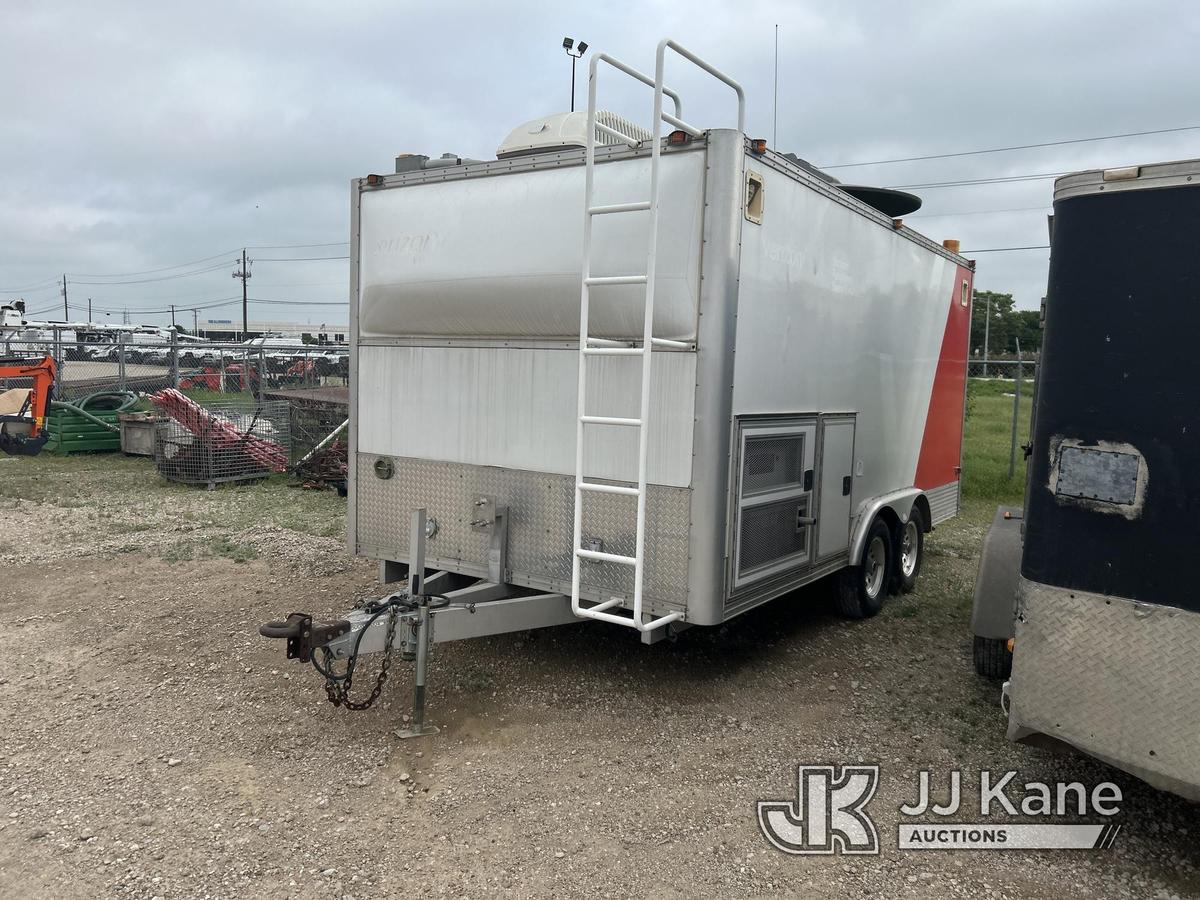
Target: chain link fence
[216,411]
[89,364]
[1014,378]
[1002,368]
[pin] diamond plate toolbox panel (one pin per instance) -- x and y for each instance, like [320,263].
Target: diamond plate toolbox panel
[1115,678]
[541,522]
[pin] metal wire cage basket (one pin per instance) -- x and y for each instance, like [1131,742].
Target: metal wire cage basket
[220,441]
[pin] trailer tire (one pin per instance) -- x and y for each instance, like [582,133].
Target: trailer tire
[992,659]
[861,589]
[910,551]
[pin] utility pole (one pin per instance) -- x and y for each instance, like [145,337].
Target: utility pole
[172,316]
[987,327]
[66,310]
[195,319]
[89,310]
[775,112]
[244,274]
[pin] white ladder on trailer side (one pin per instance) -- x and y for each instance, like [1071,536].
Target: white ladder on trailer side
[590,346]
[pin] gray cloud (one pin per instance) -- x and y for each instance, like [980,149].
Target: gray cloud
[139,135]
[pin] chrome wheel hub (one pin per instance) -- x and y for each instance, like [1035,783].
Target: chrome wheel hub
[908,550]
[874,566]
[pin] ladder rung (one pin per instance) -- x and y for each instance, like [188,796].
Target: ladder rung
[607,604]
[609,420]
[606,342]
[601,556]
[608,488]
[615,279]
[636,206]
[663,342]
[613,351]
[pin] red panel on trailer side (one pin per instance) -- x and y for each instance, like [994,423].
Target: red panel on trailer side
[941,446]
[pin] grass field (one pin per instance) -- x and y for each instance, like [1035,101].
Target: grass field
[989,439]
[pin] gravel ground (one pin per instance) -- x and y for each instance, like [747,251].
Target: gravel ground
[151,744]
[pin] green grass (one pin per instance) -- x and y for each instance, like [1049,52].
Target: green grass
[988,441]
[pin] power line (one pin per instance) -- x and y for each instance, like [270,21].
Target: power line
[79,277]
[297,258]
[1005,179]
[1087,140]
[203,271]
[979,212]
[1007,249]
[42,285]
[296,246]
[301,303]
[194,262]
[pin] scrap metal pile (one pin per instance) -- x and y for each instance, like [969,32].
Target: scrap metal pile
[204,445]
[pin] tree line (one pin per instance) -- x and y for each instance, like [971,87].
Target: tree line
[1008,326]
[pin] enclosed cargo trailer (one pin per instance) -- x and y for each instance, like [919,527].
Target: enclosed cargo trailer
[815,377]
[651,379]
[1106,619]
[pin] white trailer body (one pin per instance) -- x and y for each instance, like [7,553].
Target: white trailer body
[821,383]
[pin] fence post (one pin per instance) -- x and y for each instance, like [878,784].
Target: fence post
[122,340]
[221,357]
[262,373]
[60,358]
[174,358]
[1012,452]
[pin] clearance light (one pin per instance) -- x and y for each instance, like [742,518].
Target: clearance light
[951,244]
[678,137]
[374,180]
[897,224]
[758,146]
[1011,643]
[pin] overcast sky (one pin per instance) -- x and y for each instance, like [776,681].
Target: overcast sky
[138,136]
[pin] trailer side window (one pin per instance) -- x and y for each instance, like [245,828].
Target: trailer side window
[754,197]
[966,294]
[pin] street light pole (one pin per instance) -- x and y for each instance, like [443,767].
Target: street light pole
[574,51]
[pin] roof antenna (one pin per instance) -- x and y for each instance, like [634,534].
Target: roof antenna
[775,114]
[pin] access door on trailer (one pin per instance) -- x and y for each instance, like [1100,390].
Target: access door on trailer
[775,497]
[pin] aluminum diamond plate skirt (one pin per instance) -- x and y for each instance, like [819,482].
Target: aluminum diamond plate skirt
[1115,678]
[541,509]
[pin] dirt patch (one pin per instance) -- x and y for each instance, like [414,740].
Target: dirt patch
[151,744]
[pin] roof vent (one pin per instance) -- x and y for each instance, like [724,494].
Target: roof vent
[565,131]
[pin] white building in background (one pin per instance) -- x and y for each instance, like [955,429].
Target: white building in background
[231,329]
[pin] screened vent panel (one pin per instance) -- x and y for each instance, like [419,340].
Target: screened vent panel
[770,533]
[772,463]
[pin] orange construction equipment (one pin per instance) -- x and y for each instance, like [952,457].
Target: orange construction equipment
[23,433]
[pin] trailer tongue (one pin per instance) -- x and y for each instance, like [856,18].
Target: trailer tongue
[646,378]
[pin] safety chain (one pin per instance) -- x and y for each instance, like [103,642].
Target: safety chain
[338,689]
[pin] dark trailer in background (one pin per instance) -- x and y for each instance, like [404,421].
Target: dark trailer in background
[1106,655]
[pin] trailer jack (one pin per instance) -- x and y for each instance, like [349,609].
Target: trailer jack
[434,609]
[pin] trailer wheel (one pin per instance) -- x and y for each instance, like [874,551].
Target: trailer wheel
[861,588]
[992,659]
[910,550]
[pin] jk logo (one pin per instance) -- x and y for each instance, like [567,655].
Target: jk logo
[828,815]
